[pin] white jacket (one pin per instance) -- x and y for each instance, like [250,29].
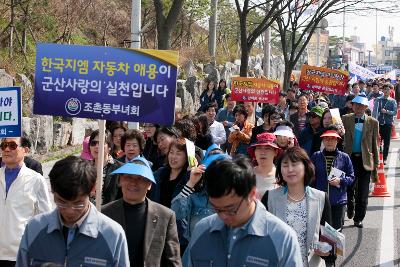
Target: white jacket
[218,133]
[28,195]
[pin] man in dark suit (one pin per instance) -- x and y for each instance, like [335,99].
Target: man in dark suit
[150,227]
[361,143]
[30,162]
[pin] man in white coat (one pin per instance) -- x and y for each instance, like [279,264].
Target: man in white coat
[216,128]
[23,194]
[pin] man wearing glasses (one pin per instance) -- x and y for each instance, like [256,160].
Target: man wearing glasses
[242,232]
[23,194]
[74,234]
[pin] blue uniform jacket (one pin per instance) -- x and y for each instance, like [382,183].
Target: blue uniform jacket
[265,241]
[99,242]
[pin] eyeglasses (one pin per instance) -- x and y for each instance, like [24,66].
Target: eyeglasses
[94,143]
[228,212]
[66,206]
[11,145]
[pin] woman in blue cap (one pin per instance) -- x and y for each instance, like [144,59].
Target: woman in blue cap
[191,204]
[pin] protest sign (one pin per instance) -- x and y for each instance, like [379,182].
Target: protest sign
[259,90]
[106,83]
[361,72]
[10,112]
[323,80]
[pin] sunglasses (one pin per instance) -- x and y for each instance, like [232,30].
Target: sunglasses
[11,145]
[94,143]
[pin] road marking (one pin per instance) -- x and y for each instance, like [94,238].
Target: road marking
[387,235]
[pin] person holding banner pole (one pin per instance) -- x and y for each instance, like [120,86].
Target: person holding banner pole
[100,162]
[109,190]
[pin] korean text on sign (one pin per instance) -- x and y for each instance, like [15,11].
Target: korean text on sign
[10,112]
[106,83]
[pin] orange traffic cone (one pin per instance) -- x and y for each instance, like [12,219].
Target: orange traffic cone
[398,111]
[394,133]
[380,188]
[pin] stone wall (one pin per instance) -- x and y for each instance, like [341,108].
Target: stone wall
[46,134]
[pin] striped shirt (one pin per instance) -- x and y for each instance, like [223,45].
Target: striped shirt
[329,158]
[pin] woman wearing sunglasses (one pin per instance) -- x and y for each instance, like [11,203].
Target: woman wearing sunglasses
[270,117]
[110,185]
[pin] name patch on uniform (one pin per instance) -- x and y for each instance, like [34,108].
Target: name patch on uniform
[257,261]
[95,261]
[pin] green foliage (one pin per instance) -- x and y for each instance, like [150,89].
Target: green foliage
[197,9]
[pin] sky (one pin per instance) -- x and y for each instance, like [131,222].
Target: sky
[364,26]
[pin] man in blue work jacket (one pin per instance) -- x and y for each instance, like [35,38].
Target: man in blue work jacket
[242,232]
[75,233]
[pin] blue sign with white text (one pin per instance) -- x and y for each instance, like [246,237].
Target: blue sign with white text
[98,82]
[10,112]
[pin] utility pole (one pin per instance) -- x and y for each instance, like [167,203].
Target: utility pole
[376,34]
[343,31]
[136,25]
[344,23]
[267,49]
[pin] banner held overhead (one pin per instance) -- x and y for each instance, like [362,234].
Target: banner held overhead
[259,90]
[106,83]
[323,80]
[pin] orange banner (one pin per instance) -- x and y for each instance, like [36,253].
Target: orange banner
[323,80]
[259,90]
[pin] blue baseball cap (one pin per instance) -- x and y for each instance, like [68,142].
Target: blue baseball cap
[361,99]
[137,169]
[211,148]
[210,159]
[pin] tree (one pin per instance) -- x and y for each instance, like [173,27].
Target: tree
[166,20]
[248,37]
[299,21]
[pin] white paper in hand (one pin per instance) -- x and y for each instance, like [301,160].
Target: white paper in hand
[335,172]
[191,153]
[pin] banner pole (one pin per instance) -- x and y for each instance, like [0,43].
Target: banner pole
[100,164]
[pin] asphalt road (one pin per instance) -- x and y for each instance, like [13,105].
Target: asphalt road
[377,244]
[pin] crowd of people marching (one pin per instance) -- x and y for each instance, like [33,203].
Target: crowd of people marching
[308,160]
